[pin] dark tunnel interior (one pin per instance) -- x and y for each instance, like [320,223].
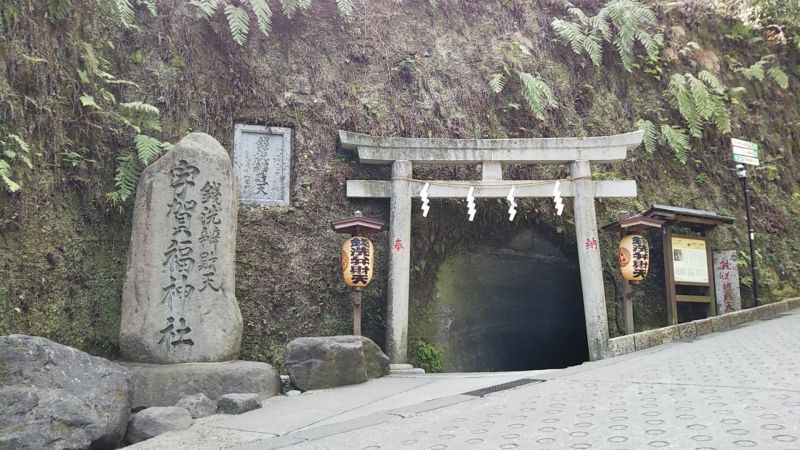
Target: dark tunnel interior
[512,307]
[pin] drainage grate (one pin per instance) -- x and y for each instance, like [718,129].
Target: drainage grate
[503,387]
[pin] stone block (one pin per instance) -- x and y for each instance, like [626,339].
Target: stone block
[151,422]
[178,302]
[703,326]
[740,317]
[165,384]
[686,330]
[760,312]
[621,345]
[643,339]
[238,403]
[781,307]
[793,303]
[720,323]
[670,334]
[198,405]
[322,362]
[54,396]
[769,310]
[749,314]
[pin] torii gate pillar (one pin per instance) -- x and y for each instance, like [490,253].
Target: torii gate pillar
[591,266]
[399,263]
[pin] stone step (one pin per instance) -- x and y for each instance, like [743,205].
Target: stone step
[404,369]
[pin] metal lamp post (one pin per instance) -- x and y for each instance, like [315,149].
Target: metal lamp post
[358,259]
[741,172]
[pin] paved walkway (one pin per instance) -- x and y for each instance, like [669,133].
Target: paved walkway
[735,389]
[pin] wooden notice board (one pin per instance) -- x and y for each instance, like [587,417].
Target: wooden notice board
[688,261]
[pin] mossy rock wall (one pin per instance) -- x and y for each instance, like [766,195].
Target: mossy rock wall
[407,70]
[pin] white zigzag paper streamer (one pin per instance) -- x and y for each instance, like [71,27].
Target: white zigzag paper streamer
[471,203]
[557,198]
[425,201]
[512,205]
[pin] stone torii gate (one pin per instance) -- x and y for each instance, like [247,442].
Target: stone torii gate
[403,153]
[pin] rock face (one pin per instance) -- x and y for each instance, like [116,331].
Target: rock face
[178,302]
[54,396]
[151,422]
[322,362]
[198,405]
[165,384]
[238,403]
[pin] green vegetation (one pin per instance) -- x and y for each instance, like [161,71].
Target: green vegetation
[427,356]
[237,13]
[756,71]
[532,88]
[14,148]
[621,23]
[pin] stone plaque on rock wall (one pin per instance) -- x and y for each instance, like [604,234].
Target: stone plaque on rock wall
[178,302]
[726,282]
[262,158]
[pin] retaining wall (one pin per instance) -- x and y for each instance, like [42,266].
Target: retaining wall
[650,338]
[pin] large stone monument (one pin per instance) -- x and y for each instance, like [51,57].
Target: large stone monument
[178,302]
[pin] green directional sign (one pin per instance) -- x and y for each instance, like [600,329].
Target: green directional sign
[745,152]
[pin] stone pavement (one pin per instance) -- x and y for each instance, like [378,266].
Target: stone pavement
[735,389]
[292,419]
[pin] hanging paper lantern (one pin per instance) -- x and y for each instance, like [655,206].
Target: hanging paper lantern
[634,257]
[357,262]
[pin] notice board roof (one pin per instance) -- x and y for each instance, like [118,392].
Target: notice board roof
[356,225]
[693,217]
[659,215]
[635,223]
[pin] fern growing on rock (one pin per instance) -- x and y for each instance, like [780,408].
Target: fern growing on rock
[699,99]
[135,118]
[130,165]
[146,150]
[676,139]
[534,90]
[761,73]
[620,23]
[124,10]
[651,134]
[12,149]
[667,135]
[538,94]
[240,13]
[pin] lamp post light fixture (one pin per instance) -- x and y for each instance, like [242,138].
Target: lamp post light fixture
[741,172]
[358,257]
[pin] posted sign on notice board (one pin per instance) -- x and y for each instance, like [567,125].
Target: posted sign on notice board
[690,260]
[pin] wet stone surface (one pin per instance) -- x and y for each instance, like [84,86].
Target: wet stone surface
[737,389]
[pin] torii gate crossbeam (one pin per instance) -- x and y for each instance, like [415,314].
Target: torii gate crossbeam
[403,153]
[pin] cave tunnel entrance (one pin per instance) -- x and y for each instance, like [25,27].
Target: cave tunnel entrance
[514,306]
